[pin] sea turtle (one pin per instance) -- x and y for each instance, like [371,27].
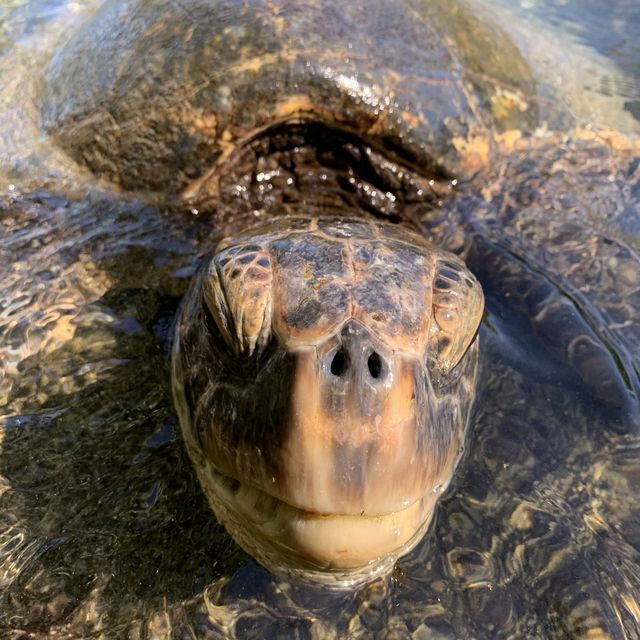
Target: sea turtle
[349,159]
[322,370]
[323,373]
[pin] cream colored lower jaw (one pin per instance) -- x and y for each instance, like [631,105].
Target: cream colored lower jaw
[335,549]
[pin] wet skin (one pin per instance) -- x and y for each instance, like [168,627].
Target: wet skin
[323,373]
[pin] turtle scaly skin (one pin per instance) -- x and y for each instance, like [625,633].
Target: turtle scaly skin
[323,373]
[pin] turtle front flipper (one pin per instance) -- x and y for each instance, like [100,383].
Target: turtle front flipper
[568,333]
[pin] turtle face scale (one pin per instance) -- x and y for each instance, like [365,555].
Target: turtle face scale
[324,373]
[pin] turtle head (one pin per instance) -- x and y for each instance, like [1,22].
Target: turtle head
[340,362]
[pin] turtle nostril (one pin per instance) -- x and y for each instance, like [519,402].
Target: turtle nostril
[375,365]
[339,363]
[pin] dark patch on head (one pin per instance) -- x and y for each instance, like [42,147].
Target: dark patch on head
[385,292]
[263,262]
[241,403]
[445,403]
[304,262]
[246,259]
[254,412]
[376,299]
[334,299]
[303,253]
[408,257]
[305,314]
[257,275]
[229,484]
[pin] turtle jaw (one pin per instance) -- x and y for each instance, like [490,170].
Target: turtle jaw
[336,549]
[339,550]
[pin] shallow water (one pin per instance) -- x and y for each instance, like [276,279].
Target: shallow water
[610,29]
[583,53]
[103,529]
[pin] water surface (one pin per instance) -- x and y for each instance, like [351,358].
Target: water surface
[103,529]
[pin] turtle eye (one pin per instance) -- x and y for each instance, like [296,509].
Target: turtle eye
[237,292]
[457,310]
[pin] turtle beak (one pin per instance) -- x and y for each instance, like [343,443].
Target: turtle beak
[363,437]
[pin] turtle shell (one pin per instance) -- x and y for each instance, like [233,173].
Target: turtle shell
[172,88]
